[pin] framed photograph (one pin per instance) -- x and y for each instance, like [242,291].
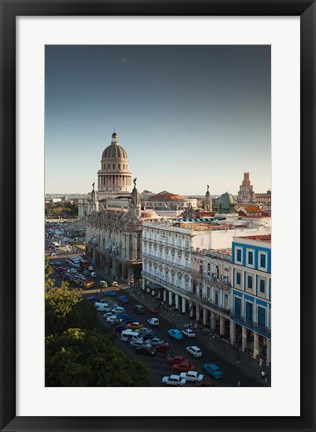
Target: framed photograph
[157,127]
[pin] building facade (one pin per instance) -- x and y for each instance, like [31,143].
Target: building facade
[246,194]
[251,295]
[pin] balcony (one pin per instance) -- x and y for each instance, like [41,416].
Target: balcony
[208,303]
[220,283]
[251,325]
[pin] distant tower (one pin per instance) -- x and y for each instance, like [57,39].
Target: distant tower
[246,194]
[94,200]
[208,200]
[135,208]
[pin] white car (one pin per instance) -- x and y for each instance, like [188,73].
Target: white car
[194,350]
[93,274]
[192,376]
[144,330]
[118,309]
[108,314]
[188,332]
[153,321]
[111,319]
[174,380]
[156,341]
[135,343]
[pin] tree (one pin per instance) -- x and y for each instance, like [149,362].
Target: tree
[89,358]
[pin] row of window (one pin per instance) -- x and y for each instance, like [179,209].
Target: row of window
[249,259]
[249,282]
[108,166]
[261,312]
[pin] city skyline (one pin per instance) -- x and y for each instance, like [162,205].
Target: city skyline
[187,116]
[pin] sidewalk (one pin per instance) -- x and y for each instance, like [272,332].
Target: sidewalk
[221,347]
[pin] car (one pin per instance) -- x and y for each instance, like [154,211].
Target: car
[139,308]
[184,366]
[153,309]
[103,284]
[194,350]
[192,376]
[115,284]
[213,370]
[204,383]
[153,321]
[156,341]
[53,254]
[175,333]
[111,319]
[173,380]
[137,343]
[110,293]
[146,350]
[145,330]
[163,348]
[134,325]
[123,299]
[175,359]
[93,274]
[127,320]
[55,263]
[86,272]
[149,336]
[108,314]
[123,315]
[118,309]
[188,332]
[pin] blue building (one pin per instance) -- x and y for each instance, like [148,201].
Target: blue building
[250,320]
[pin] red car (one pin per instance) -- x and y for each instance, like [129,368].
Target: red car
[153,310]
[184,366]
[175,359]
[163,348]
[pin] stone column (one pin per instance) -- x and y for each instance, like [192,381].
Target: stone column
[176,300]
[244,338]
[212,321]
[221,326]
[143,283]
[232,331]
[183,305]
[164,295]
[170,298]
[204,316]
[197,312]
[268,352]
[255,345]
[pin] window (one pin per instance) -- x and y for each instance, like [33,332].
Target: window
[262,286]
[238,255]
[238,278]
[237,306]
[250,258]
[249,307]
[262,261]
[261,316]
[249,282]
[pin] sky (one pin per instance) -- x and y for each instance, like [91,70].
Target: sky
[188,116]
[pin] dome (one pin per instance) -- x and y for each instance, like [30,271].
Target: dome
[226,201]
[114,150]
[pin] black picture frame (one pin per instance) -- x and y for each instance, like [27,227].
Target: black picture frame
[306,10]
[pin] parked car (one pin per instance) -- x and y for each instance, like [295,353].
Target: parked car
[153,321]
[156,341]
[149,336]
[163,348]
[146,350]
[153,309]
[127,320]
[118,309]
[183,366]
[192,376]
[145,330]
[213,370]
[111,319]
[175,333]
[93,274]
[188,332]
[175,359]
[137,343]
[115,284]
[123,299]
[92,299]
[194,350]
[139,308]
[175,380]
[135,325]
